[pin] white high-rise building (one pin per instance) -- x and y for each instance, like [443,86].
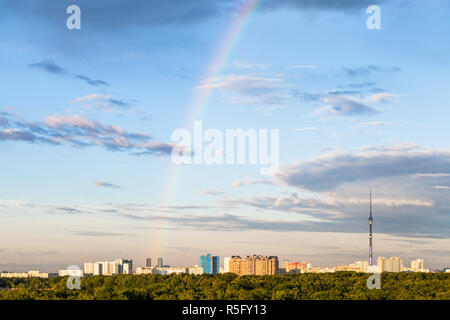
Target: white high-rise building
[359,266]
[195,270]
[226,264]
[169,270]
[417,265]
[98,268]
[118,266]
[72,273]
[125,266]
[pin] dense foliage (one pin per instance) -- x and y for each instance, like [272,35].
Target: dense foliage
[338,286]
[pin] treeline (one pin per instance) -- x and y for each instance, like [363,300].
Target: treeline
[335,286]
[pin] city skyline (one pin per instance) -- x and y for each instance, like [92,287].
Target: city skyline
[246,265]
[87,118]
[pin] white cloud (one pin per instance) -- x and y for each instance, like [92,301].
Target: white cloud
[248,181]
[442,187]
[306,66]
[382,97]
[305,129]
[376,124]
[243,83]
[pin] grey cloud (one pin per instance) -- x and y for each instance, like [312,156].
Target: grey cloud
[345,106]
[51,67]
[99,234]
[106,185]
[368,70]
[416,226]
[116,14]
[106,103]
[408,218]
[229,222]
[343,103]
[3,121]
[341,5]
[213,192]
[188,207]
[359,85]
[111,15]
[81,132]
[91,81]
[332,170]
[119,103]
[40,253]
[69,210]
[17,135]
[250,89]
[350,215]
[249,181]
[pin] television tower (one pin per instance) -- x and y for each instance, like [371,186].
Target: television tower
[370,231]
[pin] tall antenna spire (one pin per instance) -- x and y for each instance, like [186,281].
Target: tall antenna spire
[370,231]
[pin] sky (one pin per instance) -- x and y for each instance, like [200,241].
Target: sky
[87,117]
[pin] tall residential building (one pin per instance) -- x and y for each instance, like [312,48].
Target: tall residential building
[417,265]
[29,274]
[284,263]
[254,265]
[359,266]
[295,266]
[381,262]
[98,268]
[210,263]
[226,264]
[144,270]
[160,262]
[88,268]
[195,270]
[109,268]
[125,266]
[148,262]
[392,264]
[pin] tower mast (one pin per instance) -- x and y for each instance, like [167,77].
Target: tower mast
[370,231]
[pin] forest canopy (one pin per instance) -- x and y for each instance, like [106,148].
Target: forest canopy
[334,286]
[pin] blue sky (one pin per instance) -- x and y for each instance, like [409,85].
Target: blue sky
[356,109]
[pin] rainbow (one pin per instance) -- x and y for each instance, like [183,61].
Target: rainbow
[221,57]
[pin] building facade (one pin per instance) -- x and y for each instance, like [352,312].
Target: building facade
[295,267]
[71,273]
[210,264]
[254,265]
[29,274]
[197,270]
[226,264]
[392,264]
[109,268]
[417,265]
